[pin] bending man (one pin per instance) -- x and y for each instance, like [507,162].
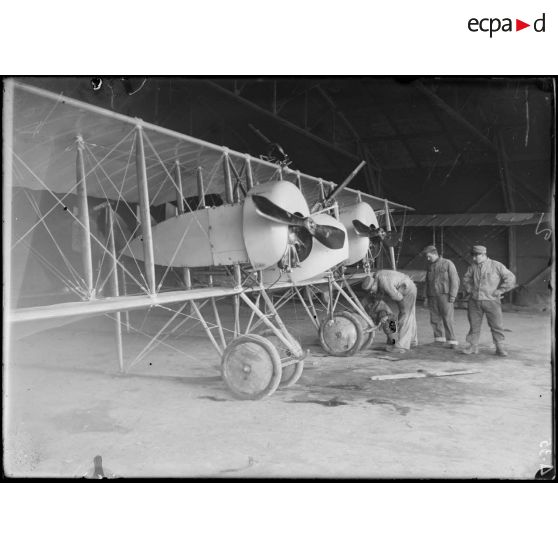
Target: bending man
[400,288]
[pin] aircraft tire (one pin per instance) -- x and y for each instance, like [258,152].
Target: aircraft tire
[292,372]
[251,367]
[367,338]
[341,336]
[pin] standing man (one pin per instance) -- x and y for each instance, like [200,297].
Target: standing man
[485,282]
[442,284]
[401,289]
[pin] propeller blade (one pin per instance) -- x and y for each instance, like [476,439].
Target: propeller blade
[364,230]
[391,239]
[329,236]
[272,211]
[360,228]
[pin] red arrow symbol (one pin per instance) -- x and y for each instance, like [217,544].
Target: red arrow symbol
[519,25]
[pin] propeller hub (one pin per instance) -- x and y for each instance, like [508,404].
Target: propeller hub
[310,226]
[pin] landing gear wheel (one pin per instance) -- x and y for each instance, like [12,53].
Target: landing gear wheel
[341,336]
[292,372]
[251,367]
[367,337]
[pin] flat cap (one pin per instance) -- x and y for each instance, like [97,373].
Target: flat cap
[478,250]
[429,249]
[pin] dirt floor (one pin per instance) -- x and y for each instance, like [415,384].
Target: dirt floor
[172,415]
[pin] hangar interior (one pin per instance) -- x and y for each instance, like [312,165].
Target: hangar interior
[472,159]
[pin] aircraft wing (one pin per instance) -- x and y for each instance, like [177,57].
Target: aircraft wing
[47,129]
[46,230]
[109,305]
[116,304]
[136,302]
[349,196]
[47,124]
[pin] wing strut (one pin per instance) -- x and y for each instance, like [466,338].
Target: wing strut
[201,188]
[249,176]
[229,196]
[388,228]
[186,277]
[115,290]
[84,217]
[141,172]
[179,191]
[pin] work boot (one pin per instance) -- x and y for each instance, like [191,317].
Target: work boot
[501,350]
[471,349]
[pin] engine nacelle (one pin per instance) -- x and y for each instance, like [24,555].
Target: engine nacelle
[358,245]
[266,240]
[225,235]
[319,260]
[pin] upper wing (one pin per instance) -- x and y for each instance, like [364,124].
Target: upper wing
[47,226]
[47,125]
[46,128]
[46,223]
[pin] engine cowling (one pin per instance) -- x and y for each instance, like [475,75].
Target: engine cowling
[266,240]
[358,245]
[319,259]
[225,235]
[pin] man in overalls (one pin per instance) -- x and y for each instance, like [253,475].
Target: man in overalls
[400,288]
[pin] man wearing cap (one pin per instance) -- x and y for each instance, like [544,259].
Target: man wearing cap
[485,282]
[442,284]
[401,289]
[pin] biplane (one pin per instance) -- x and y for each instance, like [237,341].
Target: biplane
[343,324]
[82,237]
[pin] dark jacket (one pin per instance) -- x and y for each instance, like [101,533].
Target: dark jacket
[442,278]
[488,280]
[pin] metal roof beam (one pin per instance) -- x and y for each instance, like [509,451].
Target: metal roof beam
[284,121]
[372,168]
[399,135]
[438,101]
[346,122]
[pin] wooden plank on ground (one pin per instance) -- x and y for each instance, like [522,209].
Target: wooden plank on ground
[413,375]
